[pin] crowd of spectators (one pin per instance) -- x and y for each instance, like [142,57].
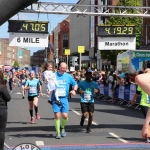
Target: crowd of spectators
[103,77]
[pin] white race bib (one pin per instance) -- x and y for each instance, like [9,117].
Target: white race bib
[33,90]
[61,91]
[23,80]
[87,96]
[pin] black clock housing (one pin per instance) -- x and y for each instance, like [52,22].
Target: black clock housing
[27,26]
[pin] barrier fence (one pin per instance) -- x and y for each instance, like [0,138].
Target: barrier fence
[122,93]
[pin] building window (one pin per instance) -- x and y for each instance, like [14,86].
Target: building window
[65,40]
[65,36]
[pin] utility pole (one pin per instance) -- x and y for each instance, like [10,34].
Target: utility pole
[81,49]
[80,61]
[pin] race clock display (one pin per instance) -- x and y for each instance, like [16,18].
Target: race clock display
[117,30]
[26,26]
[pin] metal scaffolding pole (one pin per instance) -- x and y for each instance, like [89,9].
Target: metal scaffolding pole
[78,9]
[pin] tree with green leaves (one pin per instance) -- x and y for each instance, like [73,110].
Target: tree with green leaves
[113,20]
[16,64]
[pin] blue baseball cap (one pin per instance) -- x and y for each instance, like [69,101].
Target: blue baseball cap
[32,72]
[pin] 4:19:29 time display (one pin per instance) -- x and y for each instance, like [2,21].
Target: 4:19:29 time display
[120,30]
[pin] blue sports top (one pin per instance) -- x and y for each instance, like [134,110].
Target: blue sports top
[88,88]
[64,82]
[33,86]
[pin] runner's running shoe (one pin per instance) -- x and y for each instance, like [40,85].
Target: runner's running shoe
[58,136]
[88,130]
[63,134]
[32,120]
[37,116]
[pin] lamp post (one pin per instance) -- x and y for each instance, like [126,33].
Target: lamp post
[57,60]
[45,54]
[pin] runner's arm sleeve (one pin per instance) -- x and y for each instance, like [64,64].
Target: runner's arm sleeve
[73,83]
[96,86]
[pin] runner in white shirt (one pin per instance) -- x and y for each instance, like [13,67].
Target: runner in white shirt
[51,81]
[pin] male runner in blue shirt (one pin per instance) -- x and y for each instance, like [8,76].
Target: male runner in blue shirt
[64,81]
[87,88]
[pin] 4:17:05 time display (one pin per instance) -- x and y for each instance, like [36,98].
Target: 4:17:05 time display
[33,27]
[28,26]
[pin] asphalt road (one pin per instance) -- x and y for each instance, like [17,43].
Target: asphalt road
[113,124]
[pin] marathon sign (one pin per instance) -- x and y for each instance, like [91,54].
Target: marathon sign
[116,43]
[28,39]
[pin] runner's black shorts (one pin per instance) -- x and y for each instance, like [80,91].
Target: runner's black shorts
[31,98]
[87,107]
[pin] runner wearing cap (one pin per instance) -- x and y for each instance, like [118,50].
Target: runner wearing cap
[32,85]
[87,88]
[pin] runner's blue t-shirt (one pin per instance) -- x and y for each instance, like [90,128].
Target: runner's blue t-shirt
[64,82]
[33,86]
[88,88]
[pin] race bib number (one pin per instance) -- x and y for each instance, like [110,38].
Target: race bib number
[87,96]
[62,91]
[33,90]
[23,80]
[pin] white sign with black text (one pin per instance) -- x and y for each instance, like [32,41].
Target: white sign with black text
[28,39]
[116,43]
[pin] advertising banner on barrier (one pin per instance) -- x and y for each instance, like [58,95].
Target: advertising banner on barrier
[110,90]
[101,87]
[121,92]
[132,91]
[127,92]
[106,88]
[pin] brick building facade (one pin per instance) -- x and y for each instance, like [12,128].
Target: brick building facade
[38,58]
[60,37]
[9,54]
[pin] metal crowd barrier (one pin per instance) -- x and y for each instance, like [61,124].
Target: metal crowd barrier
[123,94]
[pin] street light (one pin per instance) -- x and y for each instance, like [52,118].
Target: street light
[57,60]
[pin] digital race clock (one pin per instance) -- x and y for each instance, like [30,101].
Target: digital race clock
[25,26]
[117,30]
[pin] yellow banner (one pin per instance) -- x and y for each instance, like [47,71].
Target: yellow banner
[81,49]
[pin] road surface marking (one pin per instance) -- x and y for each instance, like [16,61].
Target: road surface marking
[39,143]
[92,122]
[76,112]
[119,138]
[45,94]
[85,119]
[18,93]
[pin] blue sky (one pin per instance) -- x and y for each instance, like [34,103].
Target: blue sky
[53,19]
